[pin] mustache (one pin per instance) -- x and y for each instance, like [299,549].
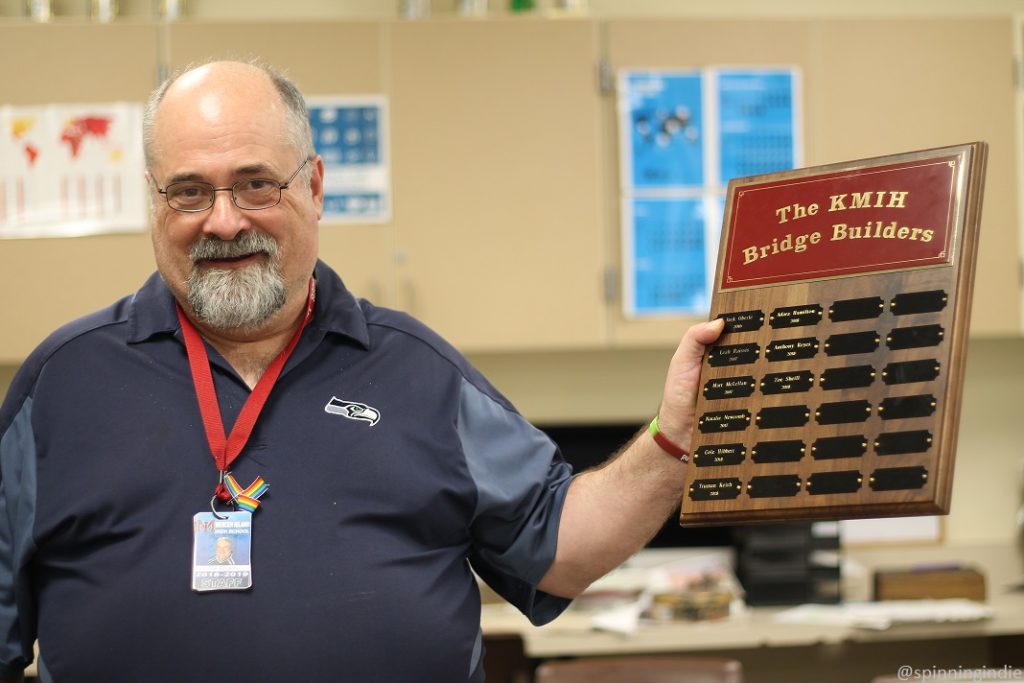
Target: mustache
[245,244]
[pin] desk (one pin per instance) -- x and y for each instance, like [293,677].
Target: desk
[773,652]
[571,636]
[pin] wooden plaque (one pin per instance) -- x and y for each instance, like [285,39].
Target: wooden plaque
[835,390]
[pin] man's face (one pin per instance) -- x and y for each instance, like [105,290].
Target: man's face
[223,549]
[233,268]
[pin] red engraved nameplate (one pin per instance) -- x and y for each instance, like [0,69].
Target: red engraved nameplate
[834,391]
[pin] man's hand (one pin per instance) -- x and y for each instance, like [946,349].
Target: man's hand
[676,416]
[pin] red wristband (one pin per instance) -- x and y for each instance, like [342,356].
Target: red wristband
[666,445]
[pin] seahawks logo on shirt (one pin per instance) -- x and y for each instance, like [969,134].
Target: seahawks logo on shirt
[352,410]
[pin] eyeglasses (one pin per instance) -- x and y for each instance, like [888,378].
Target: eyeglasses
[250,194]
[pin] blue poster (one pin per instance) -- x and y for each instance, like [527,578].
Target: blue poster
[668,248]
[347,134]
[350,135]
[683,135]
[665,129]
[756,126]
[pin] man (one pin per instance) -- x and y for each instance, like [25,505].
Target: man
[393,466]
[223,552]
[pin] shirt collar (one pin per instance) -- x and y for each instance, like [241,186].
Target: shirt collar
[337,310]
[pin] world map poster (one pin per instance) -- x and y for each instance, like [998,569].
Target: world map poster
[70,170]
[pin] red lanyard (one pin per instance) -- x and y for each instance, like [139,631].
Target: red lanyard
[226,449]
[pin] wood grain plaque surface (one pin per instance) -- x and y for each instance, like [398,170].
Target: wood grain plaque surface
[835,390]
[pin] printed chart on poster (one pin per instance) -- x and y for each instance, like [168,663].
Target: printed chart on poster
[683,135]
[71,170]
[351,135]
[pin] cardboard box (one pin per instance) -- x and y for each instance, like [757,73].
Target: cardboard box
[930,583]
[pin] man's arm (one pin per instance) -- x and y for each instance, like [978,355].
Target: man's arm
[613,511]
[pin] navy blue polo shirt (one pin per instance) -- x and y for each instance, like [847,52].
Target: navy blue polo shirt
[361,550]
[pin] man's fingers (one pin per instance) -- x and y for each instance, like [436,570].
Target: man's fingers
[698,336]
[707,333]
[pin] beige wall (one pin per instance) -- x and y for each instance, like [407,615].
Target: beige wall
[6,376]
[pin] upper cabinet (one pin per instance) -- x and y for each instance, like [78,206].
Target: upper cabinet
[871,88]
[929,83]
[495,238]
[505,231]
[497,179]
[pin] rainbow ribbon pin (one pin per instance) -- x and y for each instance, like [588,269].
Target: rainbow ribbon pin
[246,499]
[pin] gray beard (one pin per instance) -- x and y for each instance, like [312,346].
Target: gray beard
[235,299]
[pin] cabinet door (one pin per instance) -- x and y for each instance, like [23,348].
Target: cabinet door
[324,59]
[47,282]
[497,181]
[903,84]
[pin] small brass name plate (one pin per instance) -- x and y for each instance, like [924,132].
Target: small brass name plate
[918,302]
[783,416]
[729,387]
[821,483]
[787,382]
[900,443]
[900,407]
[898,478]
[841,412]
[774,486]
[724,421]
[852,377]
[735,354]
[911,371]
[915,337]
[724,454]
[778,451]
[834,447]
[852,342]
[856,309]
[743,321]
[792,349]
[715,489]
[795,316]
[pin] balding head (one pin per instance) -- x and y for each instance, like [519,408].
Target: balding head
[267,90]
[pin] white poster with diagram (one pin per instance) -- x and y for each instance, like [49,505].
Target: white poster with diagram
[70,170]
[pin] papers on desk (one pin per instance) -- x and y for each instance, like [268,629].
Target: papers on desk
[882,615]
[677,586]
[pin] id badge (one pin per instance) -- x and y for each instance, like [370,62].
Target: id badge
[222,551]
